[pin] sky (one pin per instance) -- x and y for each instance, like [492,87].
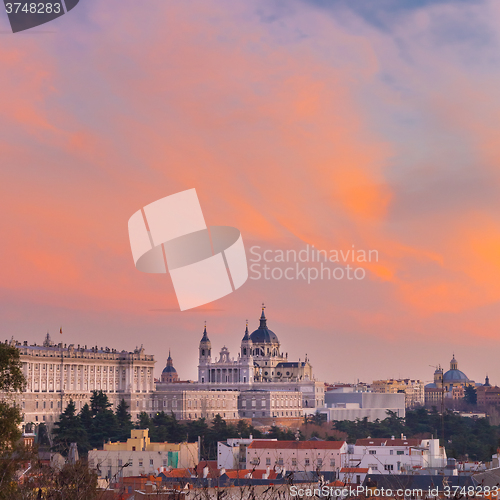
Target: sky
[334,124]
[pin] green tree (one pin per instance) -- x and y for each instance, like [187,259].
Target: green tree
[124,421]
[86,418]
[104,422]
[11,451]
[470,395]
[69,429]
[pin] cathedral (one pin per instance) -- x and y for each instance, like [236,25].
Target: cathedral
[260,360]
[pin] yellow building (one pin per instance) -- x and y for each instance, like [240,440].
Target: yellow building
[138,455]
[413,390]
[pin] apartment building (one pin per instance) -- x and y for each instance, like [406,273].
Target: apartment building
[297,455]
[140,456]
[413,390]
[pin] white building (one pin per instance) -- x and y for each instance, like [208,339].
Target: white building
[354,475]
[297,455]
[232,454]
[396,456]
[348,405]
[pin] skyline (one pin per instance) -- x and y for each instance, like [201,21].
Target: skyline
[299,123]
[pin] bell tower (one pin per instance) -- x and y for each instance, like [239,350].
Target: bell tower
[246,358]
[205,358]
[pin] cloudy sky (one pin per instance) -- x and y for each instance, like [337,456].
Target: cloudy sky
[316,122]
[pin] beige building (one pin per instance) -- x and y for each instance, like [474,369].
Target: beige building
[413,390]
[194,404]
[139,456]
[57,373]
[297,455]
[259,404]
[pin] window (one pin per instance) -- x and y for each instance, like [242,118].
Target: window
[268,461]
[140,462]
[400,452]
[320,462]
[372,452]
[294,462]
[306,462]
[388,467]
[391,452]
[151,462]
[332,462]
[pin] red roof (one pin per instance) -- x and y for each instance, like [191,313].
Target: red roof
[237,474]
[257,474]
[297,445]
[178,473]
[388,442]
[212,468]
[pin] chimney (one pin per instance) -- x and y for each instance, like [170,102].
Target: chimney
[392,438]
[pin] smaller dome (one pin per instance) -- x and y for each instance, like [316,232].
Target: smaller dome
[169,369]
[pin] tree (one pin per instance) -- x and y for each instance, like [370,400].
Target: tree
[86,418]
[11,451]
[124,421]
[104,422]
[470,395]
[69,429]
[11,381]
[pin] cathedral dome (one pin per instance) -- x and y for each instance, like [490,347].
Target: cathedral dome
[169,373]
[169,369]
[455,376]
[263,335]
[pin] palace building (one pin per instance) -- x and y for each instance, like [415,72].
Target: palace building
[57,373]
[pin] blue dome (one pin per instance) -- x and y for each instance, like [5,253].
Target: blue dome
[455,376]
[263,335]
[169,369]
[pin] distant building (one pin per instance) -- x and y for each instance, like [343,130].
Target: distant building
[488,396]
[169,373]
[396,456]
[297,455]
[354,475]
[268,387]
[232,454]
[343,405]
[140,456]
[413,390]
[454,382]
